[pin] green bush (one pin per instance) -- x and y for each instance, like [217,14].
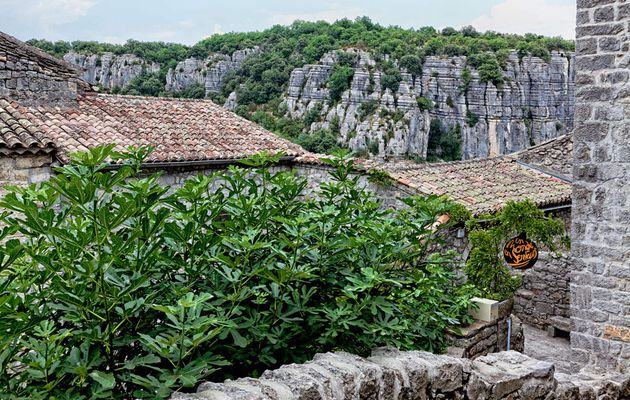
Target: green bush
[195,91]
[367,108]
[413,64]
[444,144]
[122,288]
[391,77]
[489,68]
[424,104]
[339,82]
[464,81]
[145,84]
[472,119]
[485,267]
[322,141]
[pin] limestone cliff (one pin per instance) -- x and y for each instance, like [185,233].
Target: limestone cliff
[533,105]
[209,72]
[109,70]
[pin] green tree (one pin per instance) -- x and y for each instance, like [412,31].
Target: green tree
[121,288]
[339,82]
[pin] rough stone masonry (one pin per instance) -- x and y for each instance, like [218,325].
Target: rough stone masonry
[600,284]
[392,375]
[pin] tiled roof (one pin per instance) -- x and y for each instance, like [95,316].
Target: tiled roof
[484,185]
[554,156]
[18,134]
[179,129]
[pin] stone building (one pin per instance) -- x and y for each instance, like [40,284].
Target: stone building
[600,285]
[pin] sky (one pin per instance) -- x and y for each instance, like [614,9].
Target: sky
[188,21]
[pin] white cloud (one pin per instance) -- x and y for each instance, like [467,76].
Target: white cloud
[331,14]
[217,29]
[529,16]
[50,13]
[112,39]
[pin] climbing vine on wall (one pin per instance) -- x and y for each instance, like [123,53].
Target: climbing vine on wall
[485,266]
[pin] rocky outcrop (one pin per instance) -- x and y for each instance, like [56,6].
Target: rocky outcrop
[533,105]
[210,72]
[109,70]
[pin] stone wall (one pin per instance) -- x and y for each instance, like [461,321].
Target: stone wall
[391,375]
[600,286]
[482,338]
[23,169]
[32,77]
[314,174]
[543,299]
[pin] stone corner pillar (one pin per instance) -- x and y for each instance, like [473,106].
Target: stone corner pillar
[600,283]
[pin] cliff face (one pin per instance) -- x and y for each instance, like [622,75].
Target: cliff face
[109,70]
[533,105]
[210,72]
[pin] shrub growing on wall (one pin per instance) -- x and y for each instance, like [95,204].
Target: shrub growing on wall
[485,267]
[119,288]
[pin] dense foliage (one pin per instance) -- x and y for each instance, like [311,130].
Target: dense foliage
[265,75]
[485,267]
[120,288]
[445,143]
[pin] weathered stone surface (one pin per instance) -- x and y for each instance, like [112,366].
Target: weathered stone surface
[24,169]
[108,70]
[510,375]
[534,105]
[600,282]
[390,374]
[31,77]
[544,293]
[210,72]
[482,338]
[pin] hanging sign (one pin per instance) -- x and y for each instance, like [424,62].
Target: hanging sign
[520,253]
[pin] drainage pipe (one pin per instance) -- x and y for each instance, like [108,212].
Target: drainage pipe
[509,333]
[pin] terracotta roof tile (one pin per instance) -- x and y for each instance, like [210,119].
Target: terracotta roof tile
[484,185]
[179,129]
[18,134]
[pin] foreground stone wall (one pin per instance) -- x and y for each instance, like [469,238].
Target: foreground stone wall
[600,287]
[390,375]
[543,299]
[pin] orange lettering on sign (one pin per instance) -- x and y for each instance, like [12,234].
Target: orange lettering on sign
[520,252]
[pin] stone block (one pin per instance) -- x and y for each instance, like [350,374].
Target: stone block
[598,62]
[507,374]
[347,368]
[620,333]
[301,384]
[487,310]
[604,14]
[599,30]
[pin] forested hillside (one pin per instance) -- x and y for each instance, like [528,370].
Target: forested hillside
[384,91]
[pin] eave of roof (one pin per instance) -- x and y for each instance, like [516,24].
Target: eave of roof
[18,135]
